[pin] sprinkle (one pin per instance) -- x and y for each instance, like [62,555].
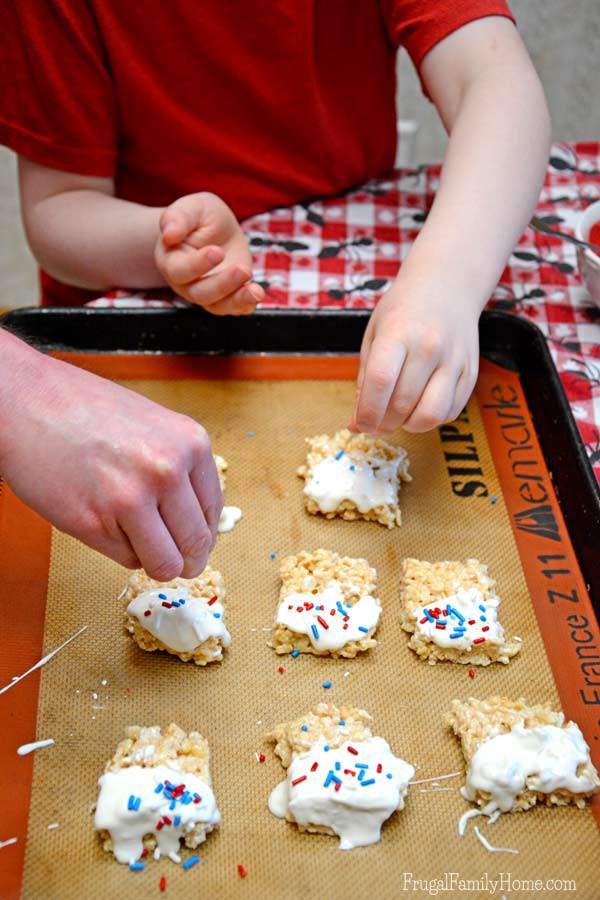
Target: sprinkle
[295,653]
[350,772]
[322,622]
[361,765]
[104,682]
[177,821]
[250,434]
[272,554]
[379,769]
[212,600]
[242,871]
[352,750]
[147,612]
[389,775]
[298,780]
[314,767]
[494,500]
[315,631]
[137,866]
[145,852]
[471,673]
[158,788]
[338,785]
[261,757]
[423,620]
[345,627]
[479,641]
[281,669]
[162,596]
[428,615]
[8,842]
[339,455]
[366,783]
[327,684]
[326,748]
[482,619]
[486,628]
[471,621]
[166,605]
[175,604]
[217,615]
[304,728]
[167,820]
[482,607]
[338,766]
[341,722]
[163,884]
[441,627]
[52,826]
[352,467]
[363,629]
[191,861]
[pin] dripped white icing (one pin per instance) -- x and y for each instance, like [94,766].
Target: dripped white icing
[230,516]
[182,627]
[357,808]
[366,483]
[306,613]
[24,749]
[127,826]
[545,759]
[466,615]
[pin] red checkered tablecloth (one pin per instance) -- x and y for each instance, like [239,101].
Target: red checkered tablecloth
[344,251]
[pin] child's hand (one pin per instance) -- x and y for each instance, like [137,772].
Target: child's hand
[126,476]
[418,361]
[204,256]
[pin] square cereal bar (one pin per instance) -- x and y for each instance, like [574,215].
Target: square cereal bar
[155,792]
[326,605]
[183,616]
[451,610]
[518,755]
[340,779]
[354,476]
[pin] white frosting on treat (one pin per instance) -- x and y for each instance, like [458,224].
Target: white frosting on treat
[180,621]
[131,805]
[545,758]
[368,483]
[327,619]
[351,789]
[461,621]
[230,516]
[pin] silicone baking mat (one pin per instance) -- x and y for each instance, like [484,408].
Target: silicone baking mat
[468,498]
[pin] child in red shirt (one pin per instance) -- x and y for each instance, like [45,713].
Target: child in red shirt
[145,132]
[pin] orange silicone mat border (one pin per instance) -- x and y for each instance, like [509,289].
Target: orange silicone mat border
[562,604]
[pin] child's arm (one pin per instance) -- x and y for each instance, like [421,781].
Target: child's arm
[83,235]
[131,479]
[420,354]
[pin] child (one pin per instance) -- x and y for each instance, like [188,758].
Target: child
[145,132]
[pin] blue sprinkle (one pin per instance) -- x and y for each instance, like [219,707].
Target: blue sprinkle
[177,821]
[326,748]
[217,615]
[429,616]
[482,619]
[175,604]
[336,780]
[162,596]
[368,782]
[341,722]
[352,468]
[250,434]
[158,788]
[339,455]
[362,628]
[295,653]
[131,802]
[338,766]
[442,621]
[137,866]
[304,728]
[493,500]
[315,631]
[173,804]
[272,554]
[191,862]
[361,766]
[181,601]
[361,774]
[327,781]
[137,803]
[327,684]
[389,775]
[482,607]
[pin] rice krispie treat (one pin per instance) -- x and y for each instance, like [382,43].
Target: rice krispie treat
[230,515]
[183,616]
[519,755]
[326,605]
[451,610]
[354,476]
[340,779]
[155,793]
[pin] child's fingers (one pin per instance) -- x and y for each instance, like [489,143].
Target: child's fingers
[175,224]
[435,402]
[209,290]
[364,355]
[415,374]
[186,265]
[152,543]
[382,368]
[182,514]
[464,389]
[241,303]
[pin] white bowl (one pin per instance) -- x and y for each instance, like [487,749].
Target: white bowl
[589,262]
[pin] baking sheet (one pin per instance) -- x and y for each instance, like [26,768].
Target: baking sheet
[226,702]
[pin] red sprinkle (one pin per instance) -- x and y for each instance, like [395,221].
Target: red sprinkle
[299,609]
[349,772]
[345,619]
[167,820]
[281,670]
[298,780]
[379,768]
[486,628]
[345,626]
[147,612]
[309,605]
[145,852]
[314,767]
[471,621]
[352,750]
[212,600]
[242,871]
[471,673]
[479,641]
[261,757]
[442,627]
[332,612]
[166,605]
[423,620]
[290,606]
[163,884]
[338,785]
[159,825]
[322,622]
[445,612]
[197,800]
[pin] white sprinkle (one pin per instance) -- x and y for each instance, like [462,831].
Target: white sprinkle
[346,674]
[43,661]
[256,757]
[93,718]
[122,594]
[24,749]
[52,826]
[436,778]
[175,857]
[8,842]
[104,682]
[77,691]
[259,722]
[515,638]
[488,846]
[98,707]
[94,695]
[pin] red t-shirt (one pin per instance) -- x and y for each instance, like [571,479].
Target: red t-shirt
[265,103]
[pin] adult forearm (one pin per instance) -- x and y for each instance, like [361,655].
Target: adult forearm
[92,240]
